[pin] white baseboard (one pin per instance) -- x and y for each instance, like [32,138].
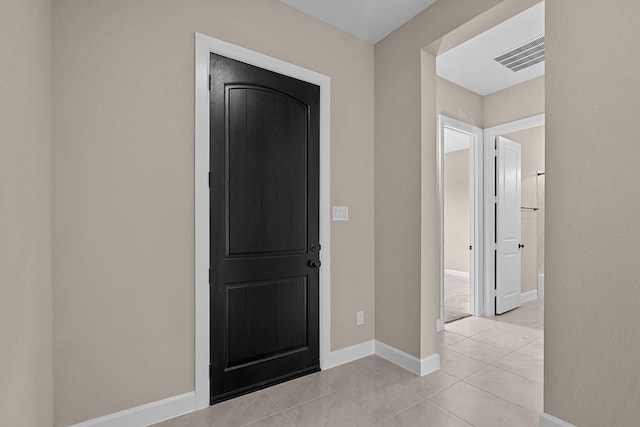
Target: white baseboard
[145,415]
[349,354]
[529,296]
[457,273]
[547,420]
[420,367]
[175,406]
[540,285]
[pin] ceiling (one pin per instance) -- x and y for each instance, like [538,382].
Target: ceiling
[369,20]
[472,65]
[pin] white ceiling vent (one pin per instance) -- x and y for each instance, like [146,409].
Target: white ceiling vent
[524,56]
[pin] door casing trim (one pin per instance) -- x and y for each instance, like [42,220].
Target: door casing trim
[490,135]
[204,46]
[475,203]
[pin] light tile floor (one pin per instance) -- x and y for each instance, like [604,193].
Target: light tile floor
[491,375]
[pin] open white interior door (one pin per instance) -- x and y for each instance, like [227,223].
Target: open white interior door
[508,229]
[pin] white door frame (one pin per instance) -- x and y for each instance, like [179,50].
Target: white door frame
[475,204]
[206,45]
[490,135]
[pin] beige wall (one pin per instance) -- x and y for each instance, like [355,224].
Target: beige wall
[406,274]
[456,210]
[123,195]
[514,103]
[459,103]
[592,345]
[26,398]
[532,144]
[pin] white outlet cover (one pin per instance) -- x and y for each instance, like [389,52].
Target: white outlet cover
[360,318]
[341,213]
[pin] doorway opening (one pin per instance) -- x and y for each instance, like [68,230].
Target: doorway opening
[460,181]
[477,83]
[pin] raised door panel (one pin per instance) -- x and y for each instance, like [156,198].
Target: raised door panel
[267,176]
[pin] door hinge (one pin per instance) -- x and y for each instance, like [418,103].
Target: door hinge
[493,293]
[495,246]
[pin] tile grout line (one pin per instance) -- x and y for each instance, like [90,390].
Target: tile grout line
[475,358]
[496,396]
[515,373]
[452,413]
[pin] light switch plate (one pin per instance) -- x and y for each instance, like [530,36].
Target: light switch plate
[341,213]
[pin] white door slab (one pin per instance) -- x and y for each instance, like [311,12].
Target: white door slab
[508,228]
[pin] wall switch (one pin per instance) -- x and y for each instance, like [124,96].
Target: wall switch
[341,213]
[360,317]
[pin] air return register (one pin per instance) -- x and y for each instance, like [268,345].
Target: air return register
[524,56]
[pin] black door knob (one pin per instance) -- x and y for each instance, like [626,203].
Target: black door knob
[315,263]
[520,245]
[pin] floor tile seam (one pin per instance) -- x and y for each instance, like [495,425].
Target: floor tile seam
[263,418]
[422,400]
[506,423]
[307,401]
[509,372]
[471,357]
[404,410]
[494,345]
[444,389]
[467,376]
[274,402]
[517,349]
[452,413]
[466,355]
[371,376]
[506,332]
[516,373]
[495,395]
[288,418]
[484,330]
[518,324]
[472,335]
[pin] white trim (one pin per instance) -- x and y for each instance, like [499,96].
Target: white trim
[349,354]
[204,45]
[420,367]
[489,179]
[547,420]
[475,206]
[528,296]
[541,285]
[144,415]
[457,273]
